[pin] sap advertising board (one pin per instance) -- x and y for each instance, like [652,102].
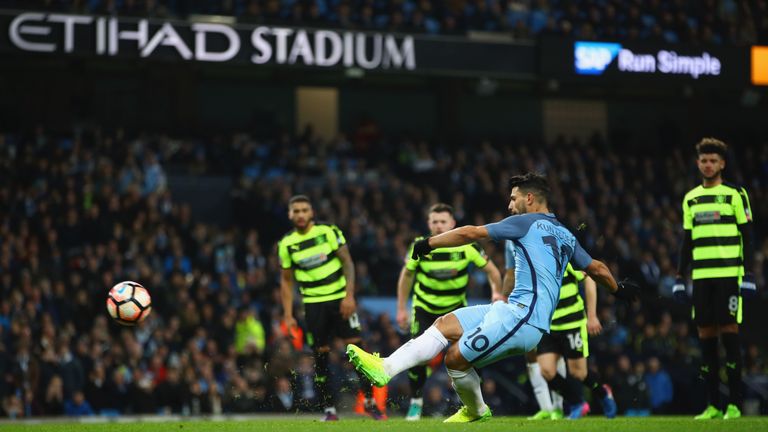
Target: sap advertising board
[594,58]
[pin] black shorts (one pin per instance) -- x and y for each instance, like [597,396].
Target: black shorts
[716,302]
[421,320]
[324,322]
[571,344]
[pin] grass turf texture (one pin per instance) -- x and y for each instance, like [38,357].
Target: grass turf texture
[497,424]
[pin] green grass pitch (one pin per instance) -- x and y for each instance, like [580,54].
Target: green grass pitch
[498,424]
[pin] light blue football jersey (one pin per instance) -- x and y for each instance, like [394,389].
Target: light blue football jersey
[542,248]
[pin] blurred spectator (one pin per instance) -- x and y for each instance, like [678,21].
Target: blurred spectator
[629,389]
[659,386]
[78,406]
[249,334]
[53,404]
[435,402]
[170,393]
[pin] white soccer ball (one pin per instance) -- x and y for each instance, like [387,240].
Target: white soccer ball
[129,303]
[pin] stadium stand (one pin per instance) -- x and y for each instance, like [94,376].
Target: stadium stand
[708,22]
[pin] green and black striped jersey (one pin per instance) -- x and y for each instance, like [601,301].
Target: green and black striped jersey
[569,313]
[713,216]
[312,256]
[442,277]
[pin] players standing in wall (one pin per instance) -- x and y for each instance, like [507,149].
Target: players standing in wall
[484,334]
[718,246]
[439,286]
[316,256]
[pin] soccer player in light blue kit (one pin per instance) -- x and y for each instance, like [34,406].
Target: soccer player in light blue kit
[480,335]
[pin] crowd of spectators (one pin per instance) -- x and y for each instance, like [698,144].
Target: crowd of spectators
[82,211]
[707,21]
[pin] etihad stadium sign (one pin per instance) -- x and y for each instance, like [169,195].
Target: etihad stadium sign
[105,37]
[209,42]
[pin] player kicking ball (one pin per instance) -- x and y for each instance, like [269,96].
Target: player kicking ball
[484,334]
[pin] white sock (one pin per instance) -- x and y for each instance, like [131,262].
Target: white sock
[540,387]
[467,385]
[415,352]
[557,399]
[331,410]
[417,401]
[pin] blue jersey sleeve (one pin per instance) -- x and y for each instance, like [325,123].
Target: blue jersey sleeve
[580,258]
[510,228]
[509,255]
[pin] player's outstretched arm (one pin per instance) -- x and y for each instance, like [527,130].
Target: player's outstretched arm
[598,271]
[455,237]
[625,290]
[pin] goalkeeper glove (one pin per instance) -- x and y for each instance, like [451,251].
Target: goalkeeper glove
[748,286]
[678,291]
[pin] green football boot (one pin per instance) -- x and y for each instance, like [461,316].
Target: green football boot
[541,415]
[732,412]
[710,413]
[371,365]
[557,414]
[463,416]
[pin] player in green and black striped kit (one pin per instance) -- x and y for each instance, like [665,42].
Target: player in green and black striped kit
[440,287]
[315,255]
[718,246]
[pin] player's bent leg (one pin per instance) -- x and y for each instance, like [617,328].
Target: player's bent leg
[449,326]
[548,364]
[466,382]
[577,368]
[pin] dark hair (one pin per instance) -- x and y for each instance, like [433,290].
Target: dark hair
[711,145]
[534,183]
[441,208]
[298,199]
